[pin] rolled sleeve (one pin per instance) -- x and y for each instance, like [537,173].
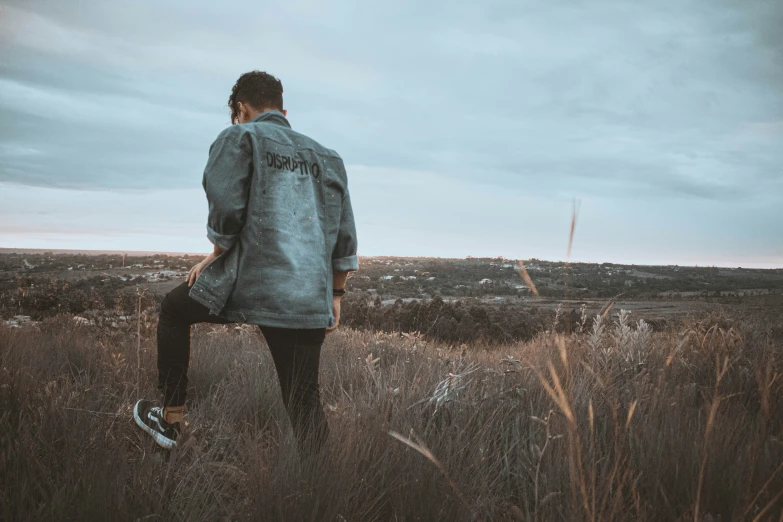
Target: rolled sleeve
[224,241]
[226,183]
[344,256]
[345,264]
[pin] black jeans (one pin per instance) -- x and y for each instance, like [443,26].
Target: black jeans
[296,353]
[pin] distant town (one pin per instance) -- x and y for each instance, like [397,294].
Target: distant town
[34,284]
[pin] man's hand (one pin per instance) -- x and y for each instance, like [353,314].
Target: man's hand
[196,270]
[336,311]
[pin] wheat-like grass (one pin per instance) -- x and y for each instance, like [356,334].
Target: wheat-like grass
[526,277]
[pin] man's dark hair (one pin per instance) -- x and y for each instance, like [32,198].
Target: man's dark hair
[259,90]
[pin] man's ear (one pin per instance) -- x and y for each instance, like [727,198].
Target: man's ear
[285,112]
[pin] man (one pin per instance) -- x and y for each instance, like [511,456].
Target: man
[282,226]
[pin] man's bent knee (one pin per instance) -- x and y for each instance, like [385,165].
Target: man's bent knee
[167,307]
[170,307]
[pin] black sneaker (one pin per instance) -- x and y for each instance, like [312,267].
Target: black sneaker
[150,419]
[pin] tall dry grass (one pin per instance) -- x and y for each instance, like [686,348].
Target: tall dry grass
[615,422]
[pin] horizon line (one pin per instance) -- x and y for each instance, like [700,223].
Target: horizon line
[87,251]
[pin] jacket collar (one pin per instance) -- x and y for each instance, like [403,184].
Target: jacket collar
[275,117]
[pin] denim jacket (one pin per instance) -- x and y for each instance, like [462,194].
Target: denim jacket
[279,207]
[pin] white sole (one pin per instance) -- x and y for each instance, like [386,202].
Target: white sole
[160,439]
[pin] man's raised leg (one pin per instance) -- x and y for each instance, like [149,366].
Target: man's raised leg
[178,313]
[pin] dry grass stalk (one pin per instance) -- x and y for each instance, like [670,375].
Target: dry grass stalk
[760,491]
[421,448]
[139,293]
[574,214]
[563,401]
[449,388]
[526,277]
[721,371]
[538,454]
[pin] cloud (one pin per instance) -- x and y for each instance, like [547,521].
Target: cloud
[671,104]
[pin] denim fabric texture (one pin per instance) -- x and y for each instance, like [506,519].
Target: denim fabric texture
[280,209]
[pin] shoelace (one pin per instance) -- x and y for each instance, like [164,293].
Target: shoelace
[159,411]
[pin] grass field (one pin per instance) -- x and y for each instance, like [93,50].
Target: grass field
[617,423]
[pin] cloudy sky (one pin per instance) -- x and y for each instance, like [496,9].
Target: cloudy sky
[468,128]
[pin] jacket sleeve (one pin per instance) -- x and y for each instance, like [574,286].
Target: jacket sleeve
[227,183]
[344,258]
